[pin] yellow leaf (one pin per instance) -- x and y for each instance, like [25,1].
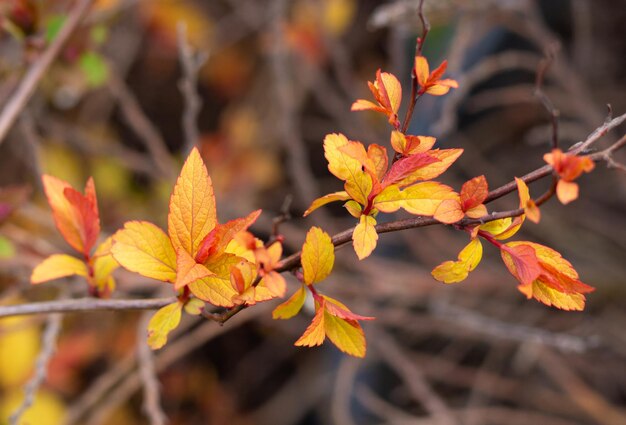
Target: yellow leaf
[326,199]
[162,323]
[103,265]
[275,283]
[424,198]
[318,256]
[457,271]
[530,208]
[354,208]
[19,346]
[359,186]
[551,297]
[391,199]
[194,306]
[341,165]
[364,237]
[446,158]
[379,159]
[394,90]
[503,228]
[192,206]
[187,270]
[57,266]
[338,14]
[477,212]
[143,248]
[347,335]
[314,334]
[217,289]
[292,306]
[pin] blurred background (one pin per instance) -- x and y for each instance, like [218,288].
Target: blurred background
[269,79]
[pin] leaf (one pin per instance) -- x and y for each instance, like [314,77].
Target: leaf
[354,208]
[326,199]
[446,158]
[410,145]
[318,256]
[449,211]
[425,198]
[457,271]
[407,166]
[217,289]
[341,165]
[194,306]
[275,283]
[7,249]
[143,248]
[314,334]
[57,266]
[391,199]
[103,265]
[347,335]
[474,192]
[388,94]
[557,284]
[192,212]
[187,270]
[566,191]
[432,83]
[503,228]
[378,156]
[218,239]
[162,323]
[76,216]
[364,237]
[359,187]
[19,345]
[522,262]
[292,306]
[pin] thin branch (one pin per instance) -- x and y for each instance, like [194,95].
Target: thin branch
[50,336]
[83,304]
[27,86]
[191,63]
[147,372]
[544,65]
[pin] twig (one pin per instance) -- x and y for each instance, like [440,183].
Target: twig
[50,336]
[27,86]
[83,304]
[151,394]
[140,124]
[544,64]
[417,385]
[191,63]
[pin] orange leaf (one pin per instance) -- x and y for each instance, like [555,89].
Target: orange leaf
[449,211]
[474,192]
[218,239]
[57,266]
[326,199]
[162,323]
[75,215]
[530,208]
[432,83]
[388,94]
[522,262]
[143,248]
[314,334]
[378,156]
[364,237]
[292,306]
[187,270]
[275,283]
[192,212]
[566,191]
[318,256]
[446,158]
[425,198]
[406,167]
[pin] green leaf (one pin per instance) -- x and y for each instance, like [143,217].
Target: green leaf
[94,68]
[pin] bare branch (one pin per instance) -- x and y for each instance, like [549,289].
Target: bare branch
[50,336]
[147,372]
[27,86]
[83,304]
[191,63]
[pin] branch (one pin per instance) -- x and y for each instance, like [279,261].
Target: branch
[27,86]
[147,373]
[191,63]
[83,304]
[50,336]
